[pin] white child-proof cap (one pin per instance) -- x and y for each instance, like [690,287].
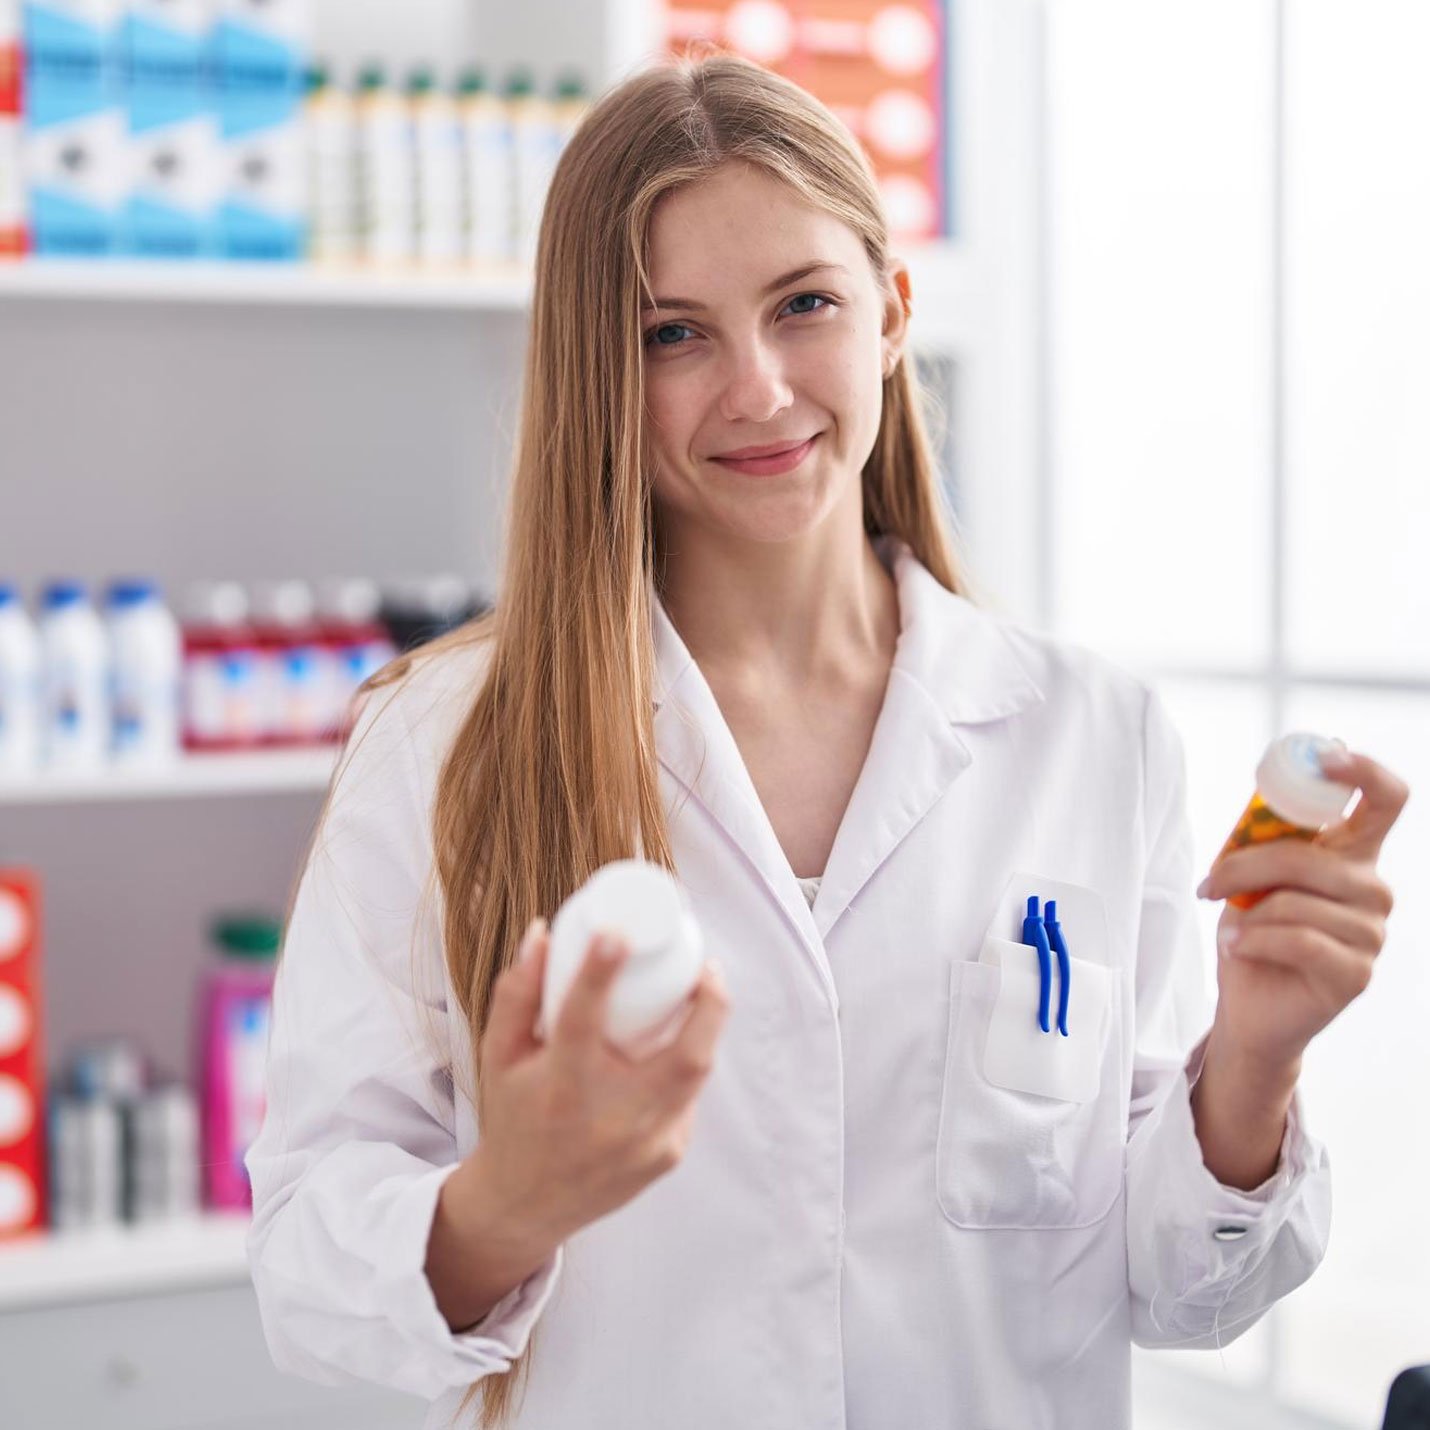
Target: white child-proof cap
[1291,781]
[644,905]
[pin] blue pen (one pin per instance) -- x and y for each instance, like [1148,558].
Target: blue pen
[1035,934]
[1055,937]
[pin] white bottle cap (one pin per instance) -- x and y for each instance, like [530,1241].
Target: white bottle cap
[284,603]
[1291,781]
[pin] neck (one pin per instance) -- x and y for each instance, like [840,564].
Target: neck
[808,613]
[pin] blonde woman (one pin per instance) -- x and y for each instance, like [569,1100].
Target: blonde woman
[862,1189]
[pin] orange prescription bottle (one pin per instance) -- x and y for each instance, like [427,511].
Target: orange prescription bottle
[1294,799]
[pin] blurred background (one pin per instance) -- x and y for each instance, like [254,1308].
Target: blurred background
[264,273]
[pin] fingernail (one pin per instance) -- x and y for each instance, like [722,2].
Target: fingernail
[528,939]
[717,970]
[1203,887]
[1229,940]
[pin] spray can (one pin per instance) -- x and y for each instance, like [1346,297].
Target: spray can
[534,140]
[438,170]
[488,218]
[329,122]
[386,180]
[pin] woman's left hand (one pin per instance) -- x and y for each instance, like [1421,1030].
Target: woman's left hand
[1294,961]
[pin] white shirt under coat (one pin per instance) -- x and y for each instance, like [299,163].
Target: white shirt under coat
[865,1232]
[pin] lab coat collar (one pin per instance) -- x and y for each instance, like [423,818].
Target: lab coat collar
[953,665]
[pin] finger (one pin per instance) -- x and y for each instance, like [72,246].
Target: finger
[691,1055]
[1279,864]
[1382,797]
[582,1020]
[516,999]
[1355,926]
[1316,956]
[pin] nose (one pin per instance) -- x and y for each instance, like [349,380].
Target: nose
[755,387]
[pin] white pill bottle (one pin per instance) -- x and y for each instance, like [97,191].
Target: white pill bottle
[645,905]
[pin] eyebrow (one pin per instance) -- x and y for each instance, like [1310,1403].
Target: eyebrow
[793,276]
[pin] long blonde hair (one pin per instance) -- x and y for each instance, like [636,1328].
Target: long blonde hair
[553,772]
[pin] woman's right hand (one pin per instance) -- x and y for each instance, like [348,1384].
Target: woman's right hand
[573,1128]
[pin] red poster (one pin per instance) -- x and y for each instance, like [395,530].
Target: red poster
[22,1093]
[881,67]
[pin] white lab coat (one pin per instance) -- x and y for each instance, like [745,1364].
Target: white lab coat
[865,1231]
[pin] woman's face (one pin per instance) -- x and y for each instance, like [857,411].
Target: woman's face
[740,354]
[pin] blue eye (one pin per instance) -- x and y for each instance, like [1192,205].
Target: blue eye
[651,333]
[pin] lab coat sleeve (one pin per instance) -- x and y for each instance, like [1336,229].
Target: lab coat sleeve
[1205,1261]
[358,1134]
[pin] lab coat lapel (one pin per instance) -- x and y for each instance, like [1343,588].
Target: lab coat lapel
[695,745]
[953,666]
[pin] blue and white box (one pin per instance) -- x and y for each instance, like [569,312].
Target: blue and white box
[74,126]
[261,49]
[172,141]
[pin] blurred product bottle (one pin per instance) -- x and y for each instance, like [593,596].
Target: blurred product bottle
[146,674]
[359,642]
[162,1176]
[293,664]
[572,102]
[488,213]
[75,679]
[106,1078]
[12,187]
[534,140]
[110,1068]
[20,666]
[437,149]
[222,696]
[235,1006]
[86,1162]
[419,609]
[331,120]
[387,186]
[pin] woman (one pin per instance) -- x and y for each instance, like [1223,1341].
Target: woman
[857,1191]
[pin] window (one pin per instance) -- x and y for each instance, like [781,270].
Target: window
[1238,218]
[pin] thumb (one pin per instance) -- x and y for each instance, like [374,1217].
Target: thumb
[516,999]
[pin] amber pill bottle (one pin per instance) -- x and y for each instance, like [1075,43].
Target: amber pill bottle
[1294,799]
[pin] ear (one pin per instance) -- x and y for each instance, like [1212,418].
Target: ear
[896,309]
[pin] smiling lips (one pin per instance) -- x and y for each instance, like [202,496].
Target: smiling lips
[767,460]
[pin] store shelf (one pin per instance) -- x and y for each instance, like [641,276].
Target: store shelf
[244,283]
[945,292]
[262,772]
[62,1268]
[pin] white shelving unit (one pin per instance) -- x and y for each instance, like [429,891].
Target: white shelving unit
[62,1268]
[298,284]
[192,776]
[942,278]
[252,421]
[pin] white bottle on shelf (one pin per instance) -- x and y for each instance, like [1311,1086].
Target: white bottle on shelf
[387,186]
[74,709]
[488,216]
[648,908]
[438,162]
[330,125]
[535,136]
[146,673]
[19,686]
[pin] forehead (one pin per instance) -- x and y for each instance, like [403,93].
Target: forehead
[736,230]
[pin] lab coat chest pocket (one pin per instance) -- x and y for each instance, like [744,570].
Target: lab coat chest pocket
[1031,1124]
